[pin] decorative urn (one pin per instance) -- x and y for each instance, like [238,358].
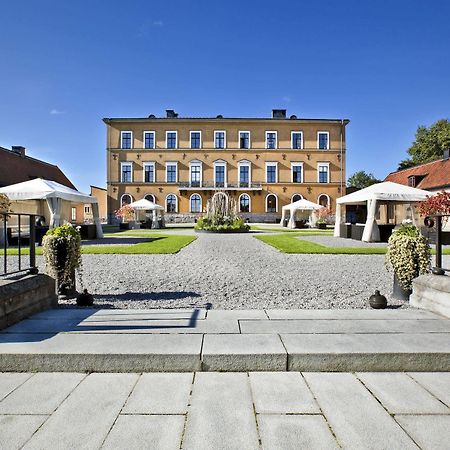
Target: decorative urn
[377,301]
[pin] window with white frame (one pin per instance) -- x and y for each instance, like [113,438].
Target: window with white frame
[220,174]
[126,139]
[87,209]
[245,176]
[171,139]
[149,139]
[150,198]
[171,172]
[244,139]
[126,199]
[149,172]
[271,139]
[271,172]
[323,175]
[219,139]
[324,200]
[296,140]
[297,172]
[73,214]
[195,173]
[244,203]
[126,172]
[196,139]
[171,203]
[271,203]
[296,198]
[323,138]
[196,203]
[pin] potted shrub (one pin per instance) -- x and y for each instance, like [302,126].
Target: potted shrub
[323,215]
[62,253]
[437,205]
[408,255]
[5,206]
[126,214]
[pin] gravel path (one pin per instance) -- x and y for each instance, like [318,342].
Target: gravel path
[235,272]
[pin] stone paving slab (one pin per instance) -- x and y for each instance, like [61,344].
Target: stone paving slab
[236,314]
[11,381]
[15,431]
[294,432]
[146,432]
[368,352]
[160,393]
[243,352]
[345,326]
[221,414]
[356,418]
[429,432]
[436,383]
[400,394]
[71,352]
[41,394]
[86,417]
[350,314]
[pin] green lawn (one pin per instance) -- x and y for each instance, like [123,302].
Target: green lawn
[159,244]
[287,243]
[305,231]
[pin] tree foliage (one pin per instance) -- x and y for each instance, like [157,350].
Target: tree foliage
[362,180]
[429,144]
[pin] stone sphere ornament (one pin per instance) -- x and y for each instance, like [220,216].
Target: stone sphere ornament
[85,299]
[377,301]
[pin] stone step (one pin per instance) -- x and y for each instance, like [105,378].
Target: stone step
[227,341]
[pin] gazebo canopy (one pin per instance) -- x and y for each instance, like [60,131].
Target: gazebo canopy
[300,205]
[53,193]
[380,192]
[145,204]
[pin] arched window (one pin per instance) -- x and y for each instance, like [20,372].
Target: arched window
[126,199]
[244,203]
[150,198]
[196,203]
[271,203]
[324,200]
[171,203]
[296,198]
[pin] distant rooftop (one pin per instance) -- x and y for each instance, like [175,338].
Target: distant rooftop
[277,114]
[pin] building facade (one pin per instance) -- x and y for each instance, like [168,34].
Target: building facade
[263,163]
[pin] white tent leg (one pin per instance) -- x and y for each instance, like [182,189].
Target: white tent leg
[54,205]
[291,223]
[337,223]
[371,231]
[98,225]
[283,215]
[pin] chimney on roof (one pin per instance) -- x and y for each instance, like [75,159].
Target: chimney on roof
[19,150]
[278,114]
[447,153]
[171,114]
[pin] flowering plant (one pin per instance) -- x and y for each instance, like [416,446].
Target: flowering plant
[126,213]
[435,205]
[323,214]
[408,254]
[5,204]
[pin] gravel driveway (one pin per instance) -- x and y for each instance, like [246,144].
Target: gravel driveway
[232,272]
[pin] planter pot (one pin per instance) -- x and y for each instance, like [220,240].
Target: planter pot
[398,292]
[321,226]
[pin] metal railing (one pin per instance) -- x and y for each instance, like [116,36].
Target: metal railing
[219,185]
[16,231]
[438,269]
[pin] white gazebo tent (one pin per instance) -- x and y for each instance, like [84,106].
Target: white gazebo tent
[303,207]
[147,205]
[54,194]
[373,196]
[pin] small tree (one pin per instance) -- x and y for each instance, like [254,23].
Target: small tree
[5,206]
[323,215]
[362,180]
[125,213]
[435,205]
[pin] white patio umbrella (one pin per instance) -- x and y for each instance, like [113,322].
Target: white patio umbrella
[300,205]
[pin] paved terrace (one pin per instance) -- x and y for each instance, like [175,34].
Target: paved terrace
[165,340]
[225,411]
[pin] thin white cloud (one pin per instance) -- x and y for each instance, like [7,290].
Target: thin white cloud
[158,23]
[56,112]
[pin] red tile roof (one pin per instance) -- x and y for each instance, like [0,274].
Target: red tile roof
[15,168]
[436,175]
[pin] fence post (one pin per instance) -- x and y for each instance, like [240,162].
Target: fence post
[438,269]
[33,268]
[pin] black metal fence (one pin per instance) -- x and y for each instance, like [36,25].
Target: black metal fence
[18,232]
[438,219]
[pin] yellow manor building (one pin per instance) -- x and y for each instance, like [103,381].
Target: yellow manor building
[263,163]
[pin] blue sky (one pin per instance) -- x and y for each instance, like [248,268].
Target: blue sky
[385,65]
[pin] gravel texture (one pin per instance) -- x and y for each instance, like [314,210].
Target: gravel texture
[235,272]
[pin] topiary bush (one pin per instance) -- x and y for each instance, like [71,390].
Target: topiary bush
[408,254]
